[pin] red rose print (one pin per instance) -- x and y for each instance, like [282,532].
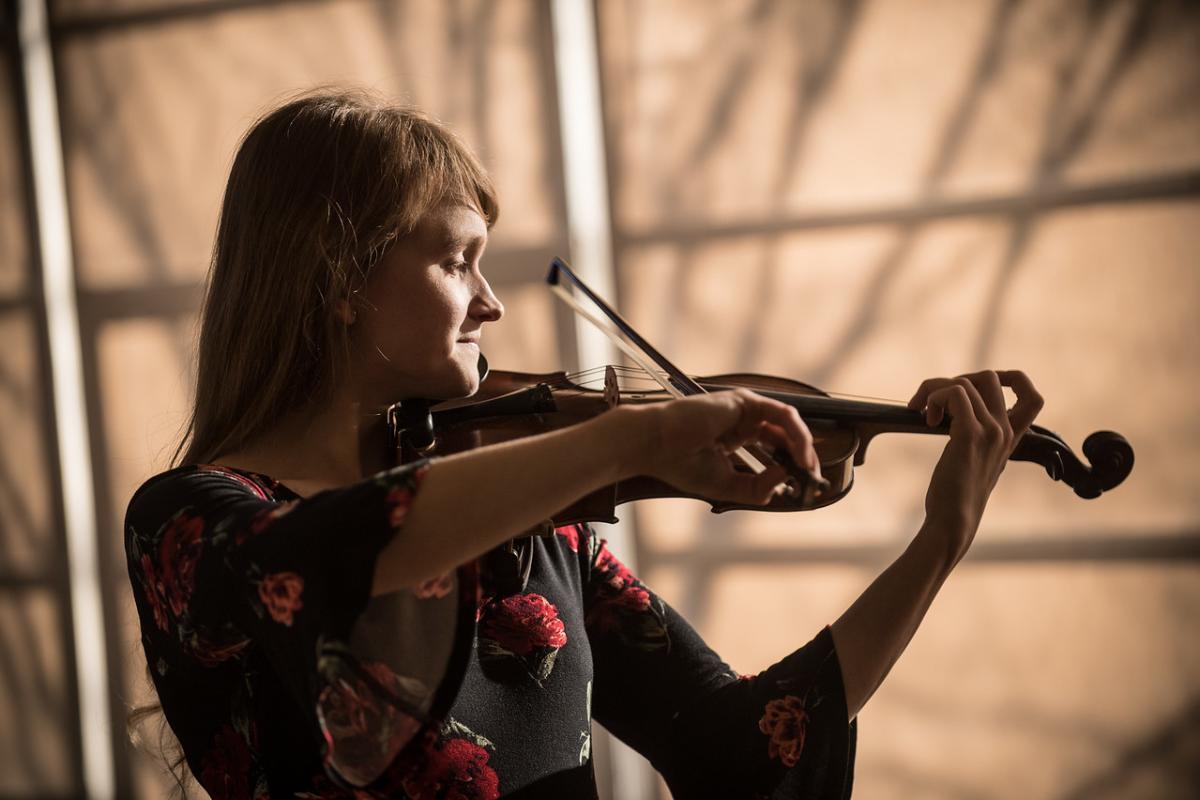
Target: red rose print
[211,653]
[280,593]
[455,769]
[153,592]
[435,588]
[571,534]
[786,722]
[524,623]
[618,592]
[226,771]
[613,571]
[633,598]
[178,553]
[398,501]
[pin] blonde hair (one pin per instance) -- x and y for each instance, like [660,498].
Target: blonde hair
[319,189]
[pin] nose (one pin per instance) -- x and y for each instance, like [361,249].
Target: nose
[486,306]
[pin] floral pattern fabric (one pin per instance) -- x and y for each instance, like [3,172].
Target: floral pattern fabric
[251,600]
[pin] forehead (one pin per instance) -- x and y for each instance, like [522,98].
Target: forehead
[451,227]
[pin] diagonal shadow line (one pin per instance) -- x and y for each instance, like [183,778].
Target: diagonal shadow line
[19,391]
[727,95]
[1134,41]
[952,142]
[814,78]
[390,28]
[764,278]
[1150,751]
[670,313]
[886,271]
[986,69]
[21,679]
[27,632]
[1058,151]
[456,26]
[116,177]
[20,716]
[25,524]
[187,75]
[1019,238]
[481,28]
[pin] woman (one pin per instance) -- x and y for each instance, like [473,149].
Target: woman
[346,275]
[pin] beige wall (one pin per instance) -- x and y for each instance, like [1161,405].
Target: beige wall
[862,195]
[854,194]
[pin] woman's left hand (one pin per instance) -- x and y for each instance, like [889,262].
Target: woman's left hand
[983,433]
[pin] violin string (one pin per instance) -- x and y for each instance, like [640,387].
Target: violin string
[595,375]
[848,396]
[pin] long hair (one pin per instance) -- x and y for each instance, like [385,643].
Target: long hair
[319,189]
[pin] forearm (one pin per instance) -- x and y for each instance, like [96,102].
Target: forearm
[470,502]
[873,632]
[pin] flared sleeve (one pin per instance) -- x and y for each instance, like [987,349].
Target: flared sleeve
[709,731]
[220,568]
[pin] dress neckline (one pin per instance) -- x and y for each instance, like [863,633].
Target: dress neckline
[263,482]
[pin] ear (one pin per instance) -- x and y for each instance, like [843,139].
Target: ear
[345,312]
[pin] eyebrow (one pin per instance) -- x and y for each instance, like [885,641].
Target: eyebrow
[456,240]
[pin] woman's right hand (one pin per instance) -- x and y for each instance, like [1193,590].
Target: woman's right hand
[690,442]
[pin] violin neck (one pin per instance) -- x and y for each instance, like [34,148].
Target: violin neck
[818,408]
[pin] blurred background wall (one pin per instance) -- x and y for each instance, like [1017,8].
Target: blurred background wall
[857,194]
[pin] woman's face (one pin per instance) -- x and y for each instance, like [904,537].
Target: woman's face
[418,325]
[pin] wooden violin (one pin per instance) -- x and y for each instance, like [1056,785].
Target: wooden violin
[511,405]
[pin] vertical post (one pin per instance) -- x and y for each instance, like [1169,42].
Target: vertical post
[585,175]
[70,410]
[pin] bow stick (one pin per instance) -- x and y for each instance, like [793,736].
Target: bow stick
[674,381]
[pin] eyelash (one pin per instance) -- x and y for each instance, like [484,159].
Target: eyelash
[460,266]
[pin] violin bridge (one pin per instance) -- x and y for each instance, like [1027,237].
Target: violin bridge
[612,392]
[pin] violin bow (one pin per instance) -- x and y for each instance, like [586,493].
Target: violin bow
[673,380]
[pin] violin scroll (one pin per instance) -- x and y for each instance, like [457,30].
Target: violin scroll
[1110,454]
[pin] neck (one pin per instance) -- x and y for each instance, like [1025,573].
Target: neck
[338,444]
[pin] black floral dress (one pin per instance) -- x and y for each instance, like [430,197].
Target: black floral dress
[283,678]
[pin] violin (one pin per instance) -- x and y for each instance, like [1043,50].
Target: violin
[511,405]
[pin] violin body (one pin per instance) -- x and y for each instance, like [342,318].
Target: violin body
[511,405]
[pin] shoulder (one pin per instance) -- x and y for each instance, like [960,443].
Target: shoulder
[196,488]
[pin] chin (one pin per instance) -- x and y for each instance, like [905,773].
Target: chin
[456,388]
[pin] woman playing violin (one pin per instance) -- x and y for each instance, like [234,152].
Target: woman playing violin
[349,272]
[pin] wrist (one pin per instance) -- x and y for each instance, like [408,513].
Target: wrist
[630,433]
